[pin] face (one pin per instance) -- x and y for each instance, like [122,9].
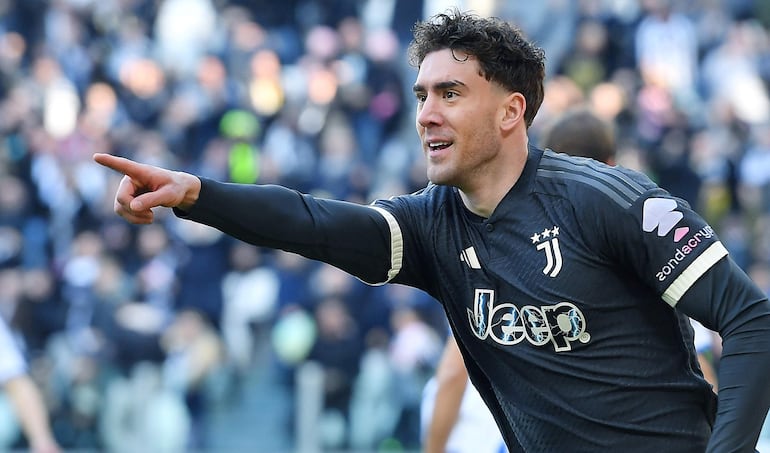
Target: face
[458,119]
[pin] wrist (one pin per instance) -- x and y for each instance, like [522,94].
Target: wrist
[192,191]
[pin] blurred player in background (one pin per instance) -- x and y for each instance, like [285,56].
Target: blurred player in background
[24,395]
[453,417]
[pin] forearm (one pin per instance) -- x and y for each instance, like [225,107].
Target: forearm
[727,301]
[353,237]
[32,414]
[451,381]
[445,414]
[744,393]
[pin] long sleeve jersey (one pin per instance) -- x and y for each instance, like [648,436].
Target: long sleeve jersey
[570,303]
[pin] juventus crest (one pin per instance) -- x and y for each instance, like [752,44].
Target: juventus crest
[548,242]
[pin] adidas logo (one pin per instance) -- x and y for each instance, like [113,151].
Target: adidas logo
[468,256]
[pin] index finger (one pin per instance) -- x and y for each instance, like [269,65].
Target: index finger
[119,164]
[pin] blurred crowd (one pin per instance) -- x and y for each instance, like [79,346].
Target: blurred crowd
[125,327]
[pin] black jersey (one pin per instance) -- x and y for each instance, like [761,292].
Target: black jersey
[568,303]
[560,294]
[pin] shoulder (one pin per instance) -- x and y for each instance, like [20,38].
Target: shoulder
[584,180]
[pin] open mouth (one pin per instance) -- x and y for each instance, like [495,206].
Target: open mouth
[437,146]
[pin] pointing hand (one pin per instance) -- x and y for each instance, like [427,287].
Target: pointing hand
[144,187]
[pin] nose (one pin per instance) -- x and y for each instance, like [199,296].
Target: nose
[428,112]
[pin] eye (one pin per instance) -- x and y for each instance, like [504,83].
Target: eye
[420,97]
[450,95]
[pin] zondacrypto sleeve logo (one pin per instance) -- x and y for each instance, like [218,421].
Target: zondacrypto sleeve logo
[661,214]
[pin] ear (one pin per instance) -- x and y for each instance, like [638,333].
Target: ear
[513,107]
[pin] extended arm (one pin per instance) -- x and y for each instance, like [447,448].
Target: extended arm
[451,379]
[355,238]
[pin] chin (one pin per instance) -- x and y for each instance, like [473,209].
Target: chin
[441,176]
[434,178]
[439,180]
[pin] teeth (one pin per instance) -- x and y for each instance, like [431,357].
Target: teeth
[436,145]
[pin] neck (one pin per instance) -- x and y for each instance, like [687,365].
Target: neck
[483,198]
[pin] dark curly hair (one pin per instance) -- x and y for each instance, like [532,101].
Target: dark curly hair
[504,55]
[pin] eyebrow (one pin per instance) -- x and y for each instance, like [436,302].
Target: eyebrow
[417,88]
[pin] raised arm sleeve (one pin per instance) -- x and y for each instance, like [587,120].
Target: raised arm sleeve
[355,238]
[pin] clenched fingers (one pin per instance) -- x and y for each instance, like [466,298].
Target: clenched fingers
[124,198]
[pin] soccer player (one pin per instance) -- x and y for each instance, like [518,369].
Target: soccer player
[452,419]
[24,395]
[567,283]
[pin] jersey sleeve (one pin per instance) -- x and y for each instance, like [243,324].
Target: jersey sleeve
[659,239]
[656,237]
[726,299]
[358,239]
[415,219]
[662,241]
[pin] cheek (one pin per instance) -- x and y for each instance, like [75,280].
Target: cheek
[483,142]
[481,130]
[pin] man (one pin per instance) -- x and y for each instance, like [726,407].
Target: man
[24,395]
[566,282]
[452,419]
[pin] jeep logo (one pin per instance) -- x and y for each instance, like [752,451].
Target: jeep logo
[559,324]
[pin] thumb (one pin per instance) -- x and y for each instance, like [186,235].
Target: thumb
[162,196]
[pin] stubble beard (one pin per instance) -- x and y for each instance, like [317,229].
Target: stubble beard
[468,161]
